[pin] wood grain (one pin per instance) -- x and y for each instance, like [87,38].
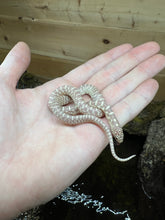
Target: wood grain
[63,34]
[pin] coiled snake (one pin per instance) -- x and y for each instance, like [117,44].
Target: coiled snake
[78,111]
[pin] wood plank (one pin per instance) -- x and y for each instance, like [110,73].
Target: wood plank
[160,96]
[49,68]
[70,41]
[46,67]
[147,15]
[67,33]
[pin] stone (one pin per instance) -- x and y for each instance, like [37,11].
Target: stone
[152,164]
[141,123]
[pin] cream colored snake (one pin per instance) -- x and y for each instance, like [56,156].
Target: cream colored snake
[67,103]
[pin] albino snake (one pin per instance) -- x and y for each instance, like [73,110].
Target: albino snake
[80,111]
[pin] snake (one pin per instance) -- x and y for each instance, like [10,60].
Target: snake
[67,103]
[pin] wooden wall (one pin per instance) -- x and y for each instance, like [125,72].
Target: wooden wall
[62,34]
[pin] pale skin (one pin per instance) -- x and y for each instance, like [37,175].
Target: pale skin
[39,155]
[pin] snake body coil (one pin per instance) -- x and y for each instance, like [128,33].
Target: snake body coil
[78,111]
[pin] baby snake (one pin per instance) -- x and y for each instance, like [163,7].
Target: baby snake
[78,111]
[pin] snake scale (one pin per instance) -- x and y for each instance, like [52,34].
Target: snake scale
[68,104]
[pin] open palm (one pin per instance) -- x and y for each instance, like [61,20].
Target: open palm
[39,155]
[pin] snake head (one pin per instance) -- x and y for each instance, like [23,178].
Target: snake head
[118,134]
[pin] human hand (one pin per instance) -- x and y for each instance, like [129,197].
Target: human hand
[39,155]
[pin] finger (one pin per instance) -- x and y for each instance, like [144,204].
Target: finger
[15,63]
[119,67]
[134,103]
[125,85]
[82,73]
